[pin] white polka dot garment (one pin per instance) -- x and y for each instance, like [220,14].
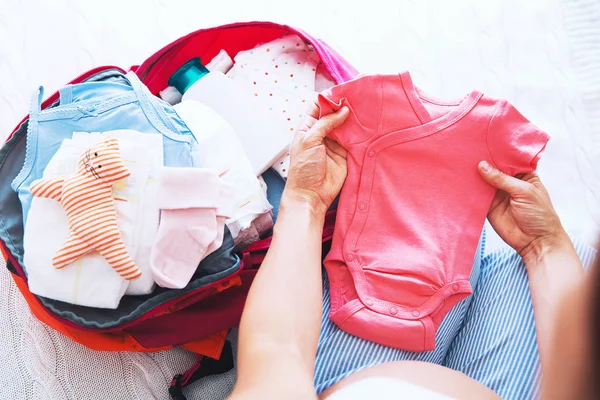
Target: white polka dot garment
[281,76]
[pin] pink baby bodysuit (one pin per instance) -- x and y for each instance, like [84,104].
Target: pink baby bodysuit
[413,205]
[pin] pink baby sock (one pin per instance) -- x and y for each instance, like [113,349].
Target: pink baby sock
[224,211]
[188,199]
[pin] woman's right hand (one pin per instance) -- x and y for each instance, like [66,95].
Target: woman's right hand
[318,166]
[522,213]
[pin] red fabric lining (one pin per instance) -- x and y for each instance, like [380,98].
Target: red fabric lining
[218,312]
[203,44]
[157,69]
[155,312]
[210,346]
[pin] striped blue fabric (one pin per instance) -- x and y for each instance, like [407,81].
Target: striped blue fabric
[489,336]
[340,354]
[497,344]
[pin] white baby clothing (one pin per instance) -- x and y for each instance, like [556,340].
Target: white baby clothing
[221,62]
[323,80]
[220,149]
[141,152]
[281,76]
[171,95]
[224,212]
[188,199]
[89,281]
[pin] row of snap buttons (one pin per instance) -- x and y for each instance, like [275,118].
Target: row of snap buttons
[393,310]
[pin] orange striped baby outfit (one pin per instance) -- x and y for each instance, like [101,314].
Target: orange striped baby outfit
[88,201]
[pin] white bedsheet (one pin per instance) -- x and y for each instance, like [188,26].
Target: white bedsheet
[543,56]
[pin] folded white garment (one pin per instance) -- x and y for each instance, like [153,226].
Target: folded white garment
[281,76]
[221,62]
[90,281]
[171,95]
[144,158]
[220,149]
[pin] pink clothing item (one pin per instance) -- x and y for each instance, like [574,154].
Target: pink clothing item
[413,205]
[225,211]
[188,200]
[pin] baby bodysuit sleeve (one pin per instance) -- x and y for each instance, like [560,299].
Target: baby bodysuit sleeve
[515,144]
[363,97]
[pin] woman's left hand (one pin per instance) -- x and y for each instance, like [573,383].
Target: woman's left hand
[318,163]
[522,213]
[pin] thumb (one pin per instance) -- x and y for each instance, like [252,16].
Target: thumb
[500,180]
[328,123]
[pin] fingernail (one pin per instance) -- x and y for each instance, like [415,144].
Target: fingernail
[485,166]
[344,110]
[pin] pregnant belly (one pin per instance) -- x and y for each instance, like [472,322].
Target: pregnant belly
[432,377]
